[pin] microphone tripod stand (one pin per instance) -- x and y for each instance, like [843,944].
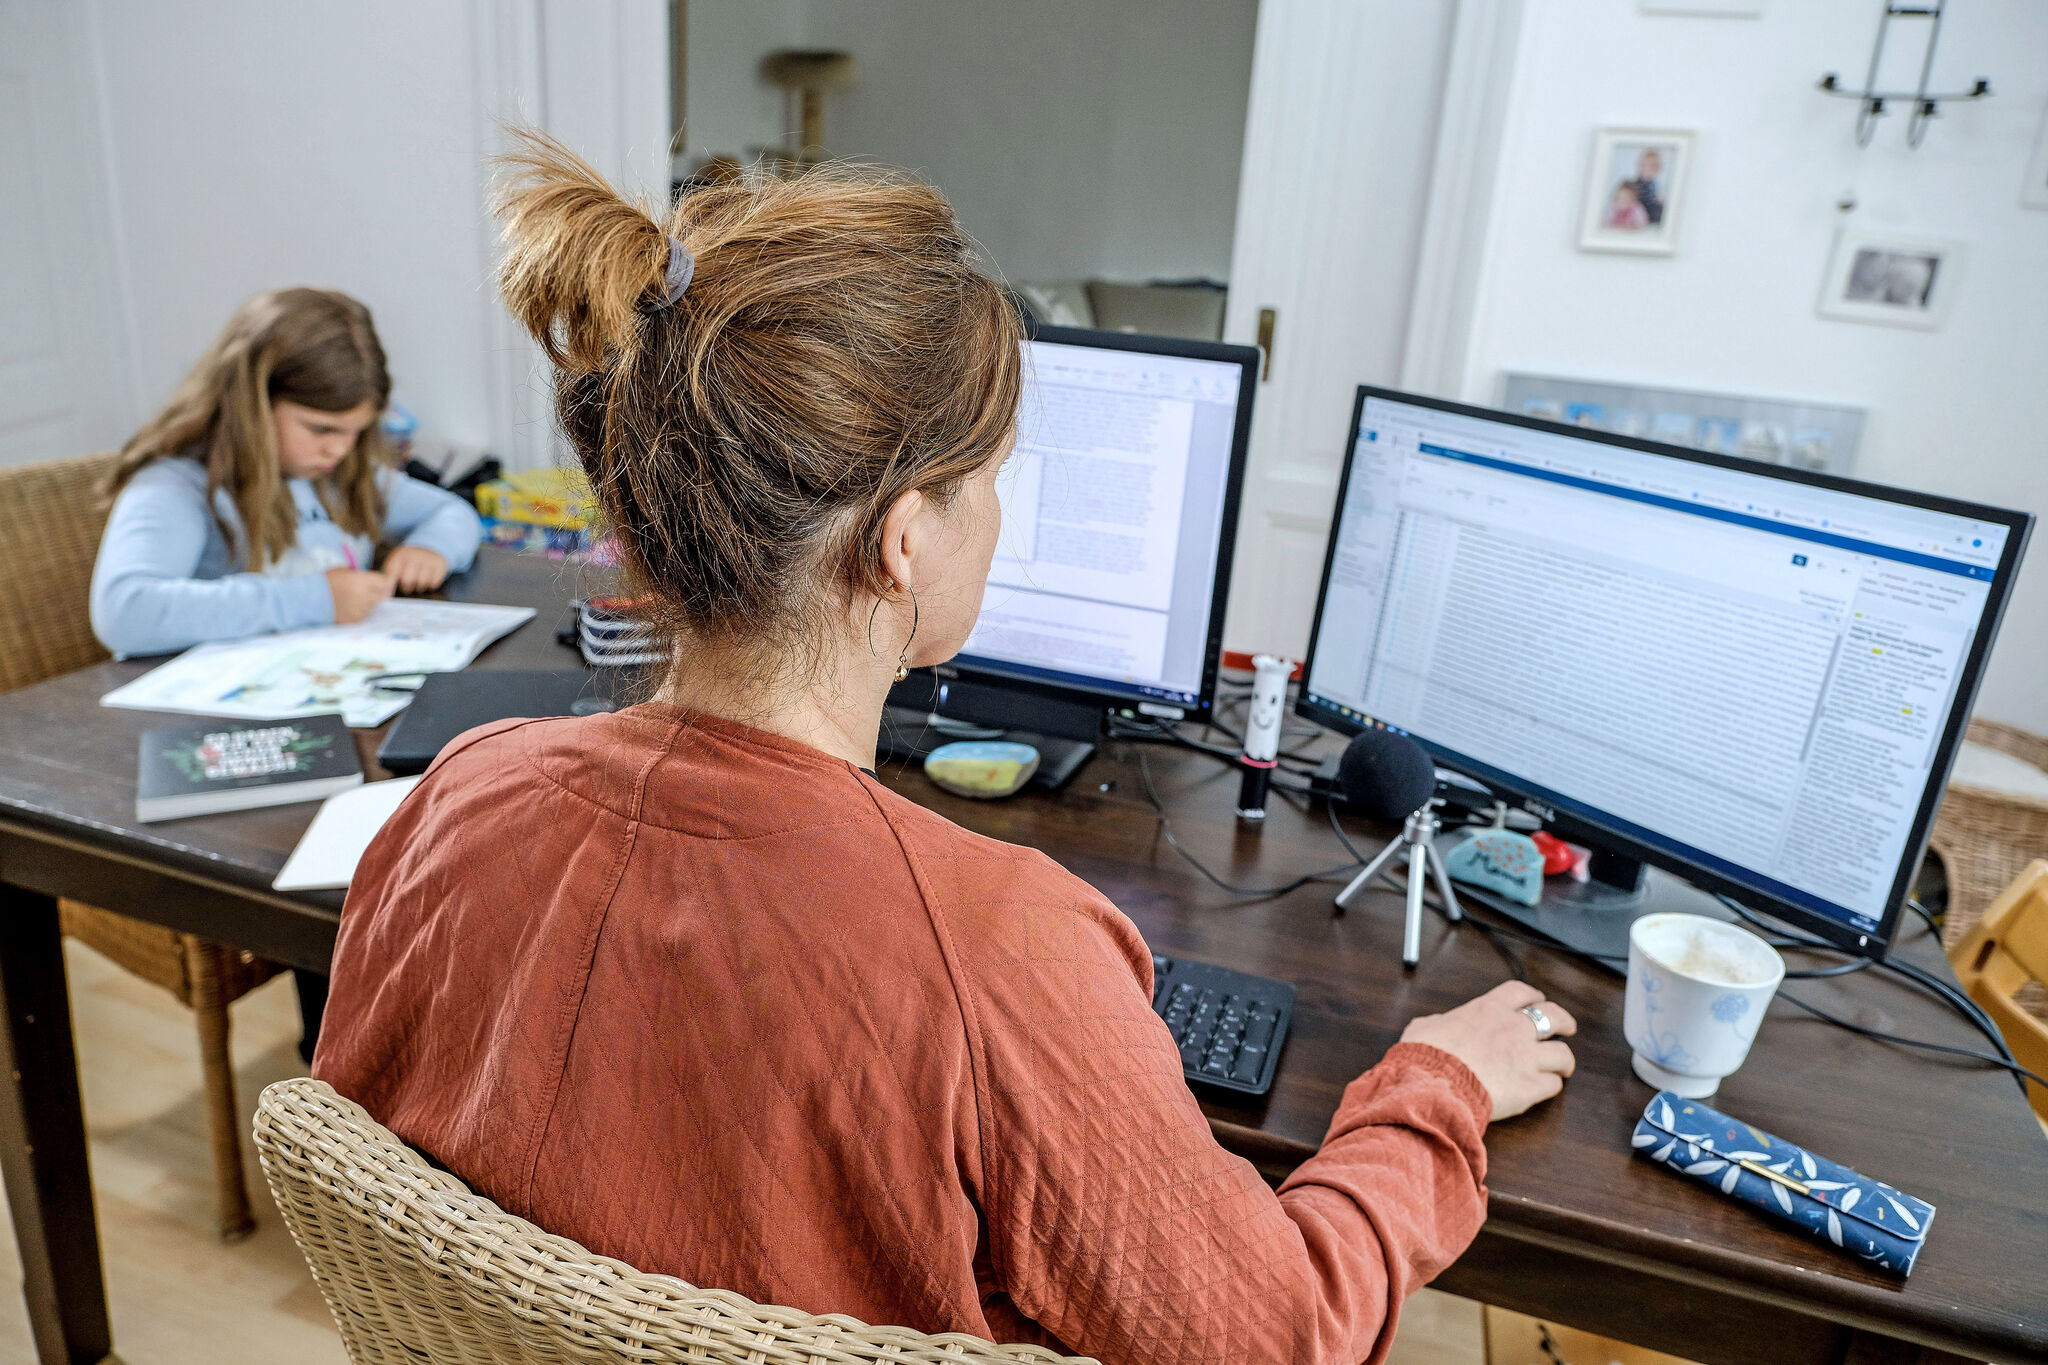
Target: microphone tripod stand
[1418,837]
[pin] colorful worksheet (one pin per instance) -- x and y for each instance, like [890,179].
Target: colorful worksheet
[325,668]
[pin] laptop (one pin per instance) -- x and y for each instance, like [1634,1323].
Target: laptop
[447,704]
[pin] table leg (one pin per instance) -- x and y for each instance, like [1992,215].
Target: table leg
[42,1139]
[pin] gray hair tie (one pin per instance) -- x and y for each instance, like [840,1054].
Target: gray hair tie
[682,266]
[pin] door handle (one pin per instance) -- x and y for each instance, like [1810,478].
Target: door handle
[1267,318]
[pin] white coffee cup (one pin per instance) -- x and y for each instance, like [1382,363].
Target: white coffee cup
[1697,991]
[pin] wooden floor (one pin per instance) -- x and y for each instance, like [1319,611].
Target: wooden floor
[177,1293]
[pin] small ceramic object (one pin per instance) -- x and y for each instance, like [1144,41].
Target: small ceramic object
[1501,861]
[981,768]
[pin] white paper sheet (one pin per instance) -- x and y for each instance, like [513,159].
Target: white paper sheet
[323,669]
[334,843]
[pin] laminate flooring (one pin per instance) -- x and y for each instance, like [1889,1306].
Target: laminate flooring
[178,1294]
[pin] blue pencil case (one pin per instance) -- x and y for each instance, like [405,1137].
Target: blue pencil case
[1863,1216]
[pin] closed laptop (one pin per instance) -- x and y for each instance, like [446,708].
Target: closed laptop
[447,704]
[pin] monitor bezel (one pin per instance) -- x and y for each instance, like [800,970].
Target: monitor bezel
[1246,358]
[1599,824]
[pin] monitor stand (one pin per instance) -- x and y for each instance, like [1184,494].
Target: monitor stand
[925,712]
[1594,916]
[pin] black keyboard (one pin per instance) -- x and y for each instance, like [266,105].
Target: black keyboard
[1229,1024]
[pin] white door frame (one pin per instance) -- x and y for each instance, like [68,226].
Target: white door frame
[67,358]
[1371,147]
[596,75]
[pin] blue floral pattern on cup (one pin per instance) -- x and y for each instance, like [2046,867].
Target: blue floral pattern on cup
[1664,1048]
[1729,1009]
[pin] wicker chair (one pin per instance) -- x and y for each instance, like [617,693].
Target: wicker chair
[416,1267]
[1987,838]
[45,630]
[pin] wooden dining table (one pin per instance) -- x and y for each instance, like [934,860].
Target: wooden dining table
[1580,1231]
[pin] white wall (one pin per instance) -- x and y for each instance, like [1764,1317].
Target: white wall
[1075,138]
[255,145]
[251,145]
[1962,411]
[728,109]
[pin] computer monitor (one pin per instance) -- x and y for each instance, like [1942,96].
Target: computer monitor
[1754,677]
[1119,517]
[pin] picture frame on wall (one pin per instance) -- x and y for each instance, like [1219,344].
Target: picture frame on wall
[1892,279]
[1635,197]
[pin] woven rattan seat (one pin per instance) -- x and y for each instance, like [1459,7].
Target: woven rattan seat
[416,1267]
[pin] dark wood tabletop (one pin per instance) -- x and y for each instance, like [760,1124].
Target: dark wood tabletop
[1579,1230]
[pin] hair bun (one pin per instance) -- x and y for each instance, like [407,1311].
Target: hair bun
[580,261]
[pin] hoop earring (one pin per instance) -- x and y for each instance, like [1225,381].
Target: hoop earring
[903,660]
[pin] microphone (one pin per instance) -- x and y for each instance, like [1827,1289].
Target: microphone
[1391,777]
[1385,775]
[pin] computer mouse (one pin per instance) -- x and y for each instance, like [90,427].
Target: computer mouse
[981,768]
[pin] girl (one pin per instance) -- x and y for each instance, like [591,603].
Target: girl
[254,501]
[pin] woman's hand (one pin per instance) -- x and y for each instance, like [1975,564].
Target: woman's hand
[355,592]
[1499,1043]
[414,568]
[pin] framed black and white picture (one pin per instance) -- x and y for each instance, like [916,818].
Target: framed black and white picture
[1889,278]
[1636,190]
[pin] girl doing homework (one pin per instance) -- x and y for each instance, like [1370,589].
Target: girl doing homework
[255,500]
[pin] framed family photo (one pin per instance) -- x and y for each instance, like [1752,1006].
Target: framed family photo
[1892,279]
[1636,190]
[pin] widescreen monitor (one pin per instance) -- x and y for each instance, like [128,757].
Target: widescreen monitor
[1751,676]
[1119,515]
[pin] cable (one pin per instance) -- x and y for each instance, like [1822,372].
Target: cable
[1173,841]
[1920,909]
[2019,1072]
[1498,936]
[1955,999]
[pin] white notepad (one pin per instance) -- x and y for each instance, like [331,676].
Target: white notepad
[333,844]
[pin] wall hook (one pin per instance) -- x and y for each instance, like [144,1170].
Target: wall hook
[1925,106]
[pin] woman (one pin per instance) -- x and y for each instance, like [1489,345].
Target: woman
[256,499]
[687,984]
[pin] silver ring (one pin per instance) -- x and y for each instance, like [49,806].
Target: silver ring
[1544,1028]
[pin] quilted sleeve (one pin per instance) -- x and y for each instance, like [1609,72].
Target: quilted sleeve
[1119,1224]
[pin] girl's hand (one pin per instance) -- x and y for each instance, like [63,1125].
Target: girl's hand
[413,568]
[355,593]
[1499,1043]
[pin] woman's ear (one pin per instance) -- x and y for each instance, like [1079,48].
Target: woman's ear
[904,535]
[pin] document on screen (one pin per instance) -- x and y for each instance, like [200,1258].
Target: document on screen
[1092,496]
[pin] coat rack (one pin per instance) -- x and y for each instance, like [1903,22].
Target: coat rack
[1925,105]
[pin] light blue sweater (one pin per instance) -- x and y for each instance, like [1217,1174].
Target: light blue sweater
[166,579]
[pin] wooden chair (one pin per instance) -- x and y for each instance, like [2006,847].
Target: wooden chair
[417,1267]
[2004,952]
[45,629]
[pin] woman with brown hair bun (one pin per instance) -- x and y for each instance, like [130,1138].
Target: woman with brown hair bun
[685,983]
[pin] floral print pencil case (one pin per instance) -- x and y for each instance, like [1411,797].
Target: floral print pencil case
[1865,1217]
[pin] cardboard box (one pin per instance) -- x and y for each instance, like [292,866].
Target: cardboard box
[539,497]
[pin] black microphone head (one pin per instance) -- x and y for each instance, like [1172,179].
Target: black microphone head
[1385,775]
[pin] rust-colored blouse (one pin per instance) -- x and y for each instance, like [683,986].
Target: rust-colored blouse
[722,1006]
